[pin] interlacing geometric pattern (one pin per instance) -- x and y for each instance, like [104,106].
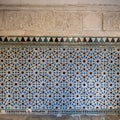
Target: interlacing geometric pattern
[62,77]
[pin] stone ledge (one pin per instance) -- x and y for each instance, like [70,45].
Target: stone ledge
[62,2]
[34,117]
[112,8]
[59,33]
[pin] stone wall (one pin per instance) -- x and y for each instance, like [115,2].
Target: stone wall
[66,20]
[59,2]
[34,117]
[83,20]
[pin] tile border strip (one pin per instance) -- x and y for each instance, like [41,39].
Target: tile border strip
[58,39]
[62,112]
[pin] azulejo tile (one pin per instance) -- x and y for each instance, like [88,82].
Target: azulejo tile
[66,78]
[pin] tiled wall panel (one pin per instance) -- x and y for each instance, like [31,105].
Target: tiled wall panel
[65,76]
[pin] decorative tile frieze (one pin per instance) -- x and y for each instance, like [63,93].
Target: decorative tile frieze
[59,39]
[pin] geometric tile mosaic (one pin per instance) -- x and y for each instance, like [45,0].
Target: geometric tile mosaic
[59,77]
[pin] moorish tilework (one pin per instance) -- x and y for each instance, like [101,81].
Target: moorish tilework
[59,78]
[61,39]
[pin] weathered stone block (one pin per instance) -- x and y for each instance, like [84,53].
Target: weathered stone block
[65,118]
[92,21]
[12,117]
[29,20]
[85,118]
[1,20]
[38,117]
[111,21]
[97,118]
[43,21]
[112,117]
[51,118]
[68,21]
[11,20]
